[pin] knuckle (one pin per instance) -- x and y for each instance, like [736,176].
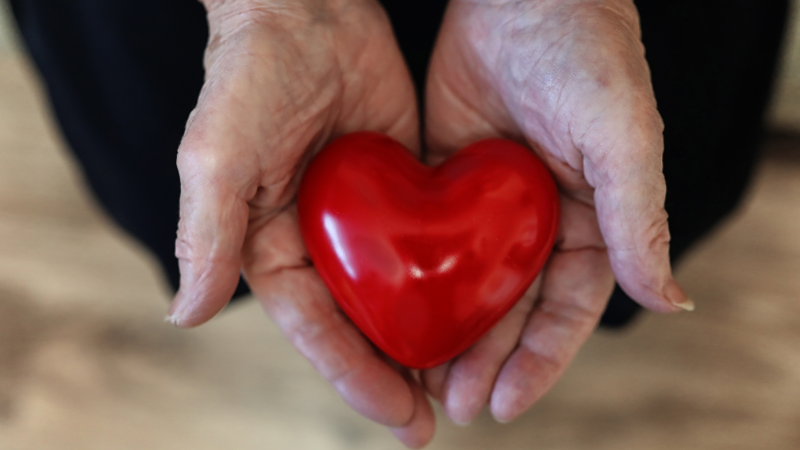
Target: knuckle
[194,160]
[183,247]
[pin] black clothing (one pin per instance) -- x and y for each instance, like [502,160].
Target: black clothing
[123,75]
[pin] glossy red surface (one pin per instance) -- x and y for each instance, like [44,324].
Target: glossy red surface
[425,260]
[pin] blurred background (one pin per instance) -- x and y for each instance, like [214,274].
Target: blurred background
[87,363]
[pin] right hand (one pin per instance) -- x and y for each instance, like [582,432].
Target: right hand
[282,80]
[569,79]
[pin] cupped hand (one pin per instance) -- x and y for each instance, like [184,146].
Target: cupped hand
[283,79]
[569,79]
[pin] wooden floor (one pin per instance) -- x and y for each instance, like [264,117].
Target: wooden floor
[86,361]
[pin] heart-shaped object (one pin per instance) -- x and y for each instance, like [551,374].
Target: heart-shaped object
[425,260]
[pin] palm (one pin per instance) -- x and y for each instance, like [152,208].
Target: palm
[279,87]
[568,79]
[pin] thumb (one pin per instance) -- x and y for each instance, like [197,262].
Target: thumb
[629,197]
[213,219]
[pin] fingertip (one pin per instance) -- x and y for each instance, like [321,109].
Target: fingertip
[419,430]
[191,314]
[189,317]
[502,415]
[178,310]
[459,417]
[499,405]
[463,402]
[207,298]
[669,298]
[472,376]
[502,410]
[520,384]
[675,294]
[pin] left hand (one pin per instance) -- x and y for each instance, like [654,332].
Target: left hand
[569,79]
[282,80]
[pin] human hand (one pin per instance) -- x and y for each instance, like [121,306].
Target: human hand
[282,79]
[569,78]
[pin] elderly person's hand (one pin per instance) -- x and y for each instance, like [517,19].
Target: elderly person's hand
[569,79]
[282,79]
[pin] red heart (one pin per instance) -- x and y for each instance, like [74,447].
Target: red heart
[425,260]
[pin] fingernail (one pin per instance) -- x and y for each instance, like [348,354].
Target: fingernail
[171,319]
[177,311]
[460,422]
[502,421]
[677,296]
[687,305]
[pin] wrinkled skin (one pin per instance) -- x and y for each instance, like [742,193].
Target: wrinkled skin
[285,77]
[282,82]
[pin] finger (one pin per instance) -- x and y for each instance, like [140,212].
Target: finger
[472,374]
[618,133]
[213,222]
[419,430]
[433,379]
[629,197]
[277,269]
[219,168]
[301,306]
[575,290]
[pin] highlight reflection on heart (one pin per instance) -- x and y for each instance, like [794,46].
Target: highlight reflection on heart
[425,260]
